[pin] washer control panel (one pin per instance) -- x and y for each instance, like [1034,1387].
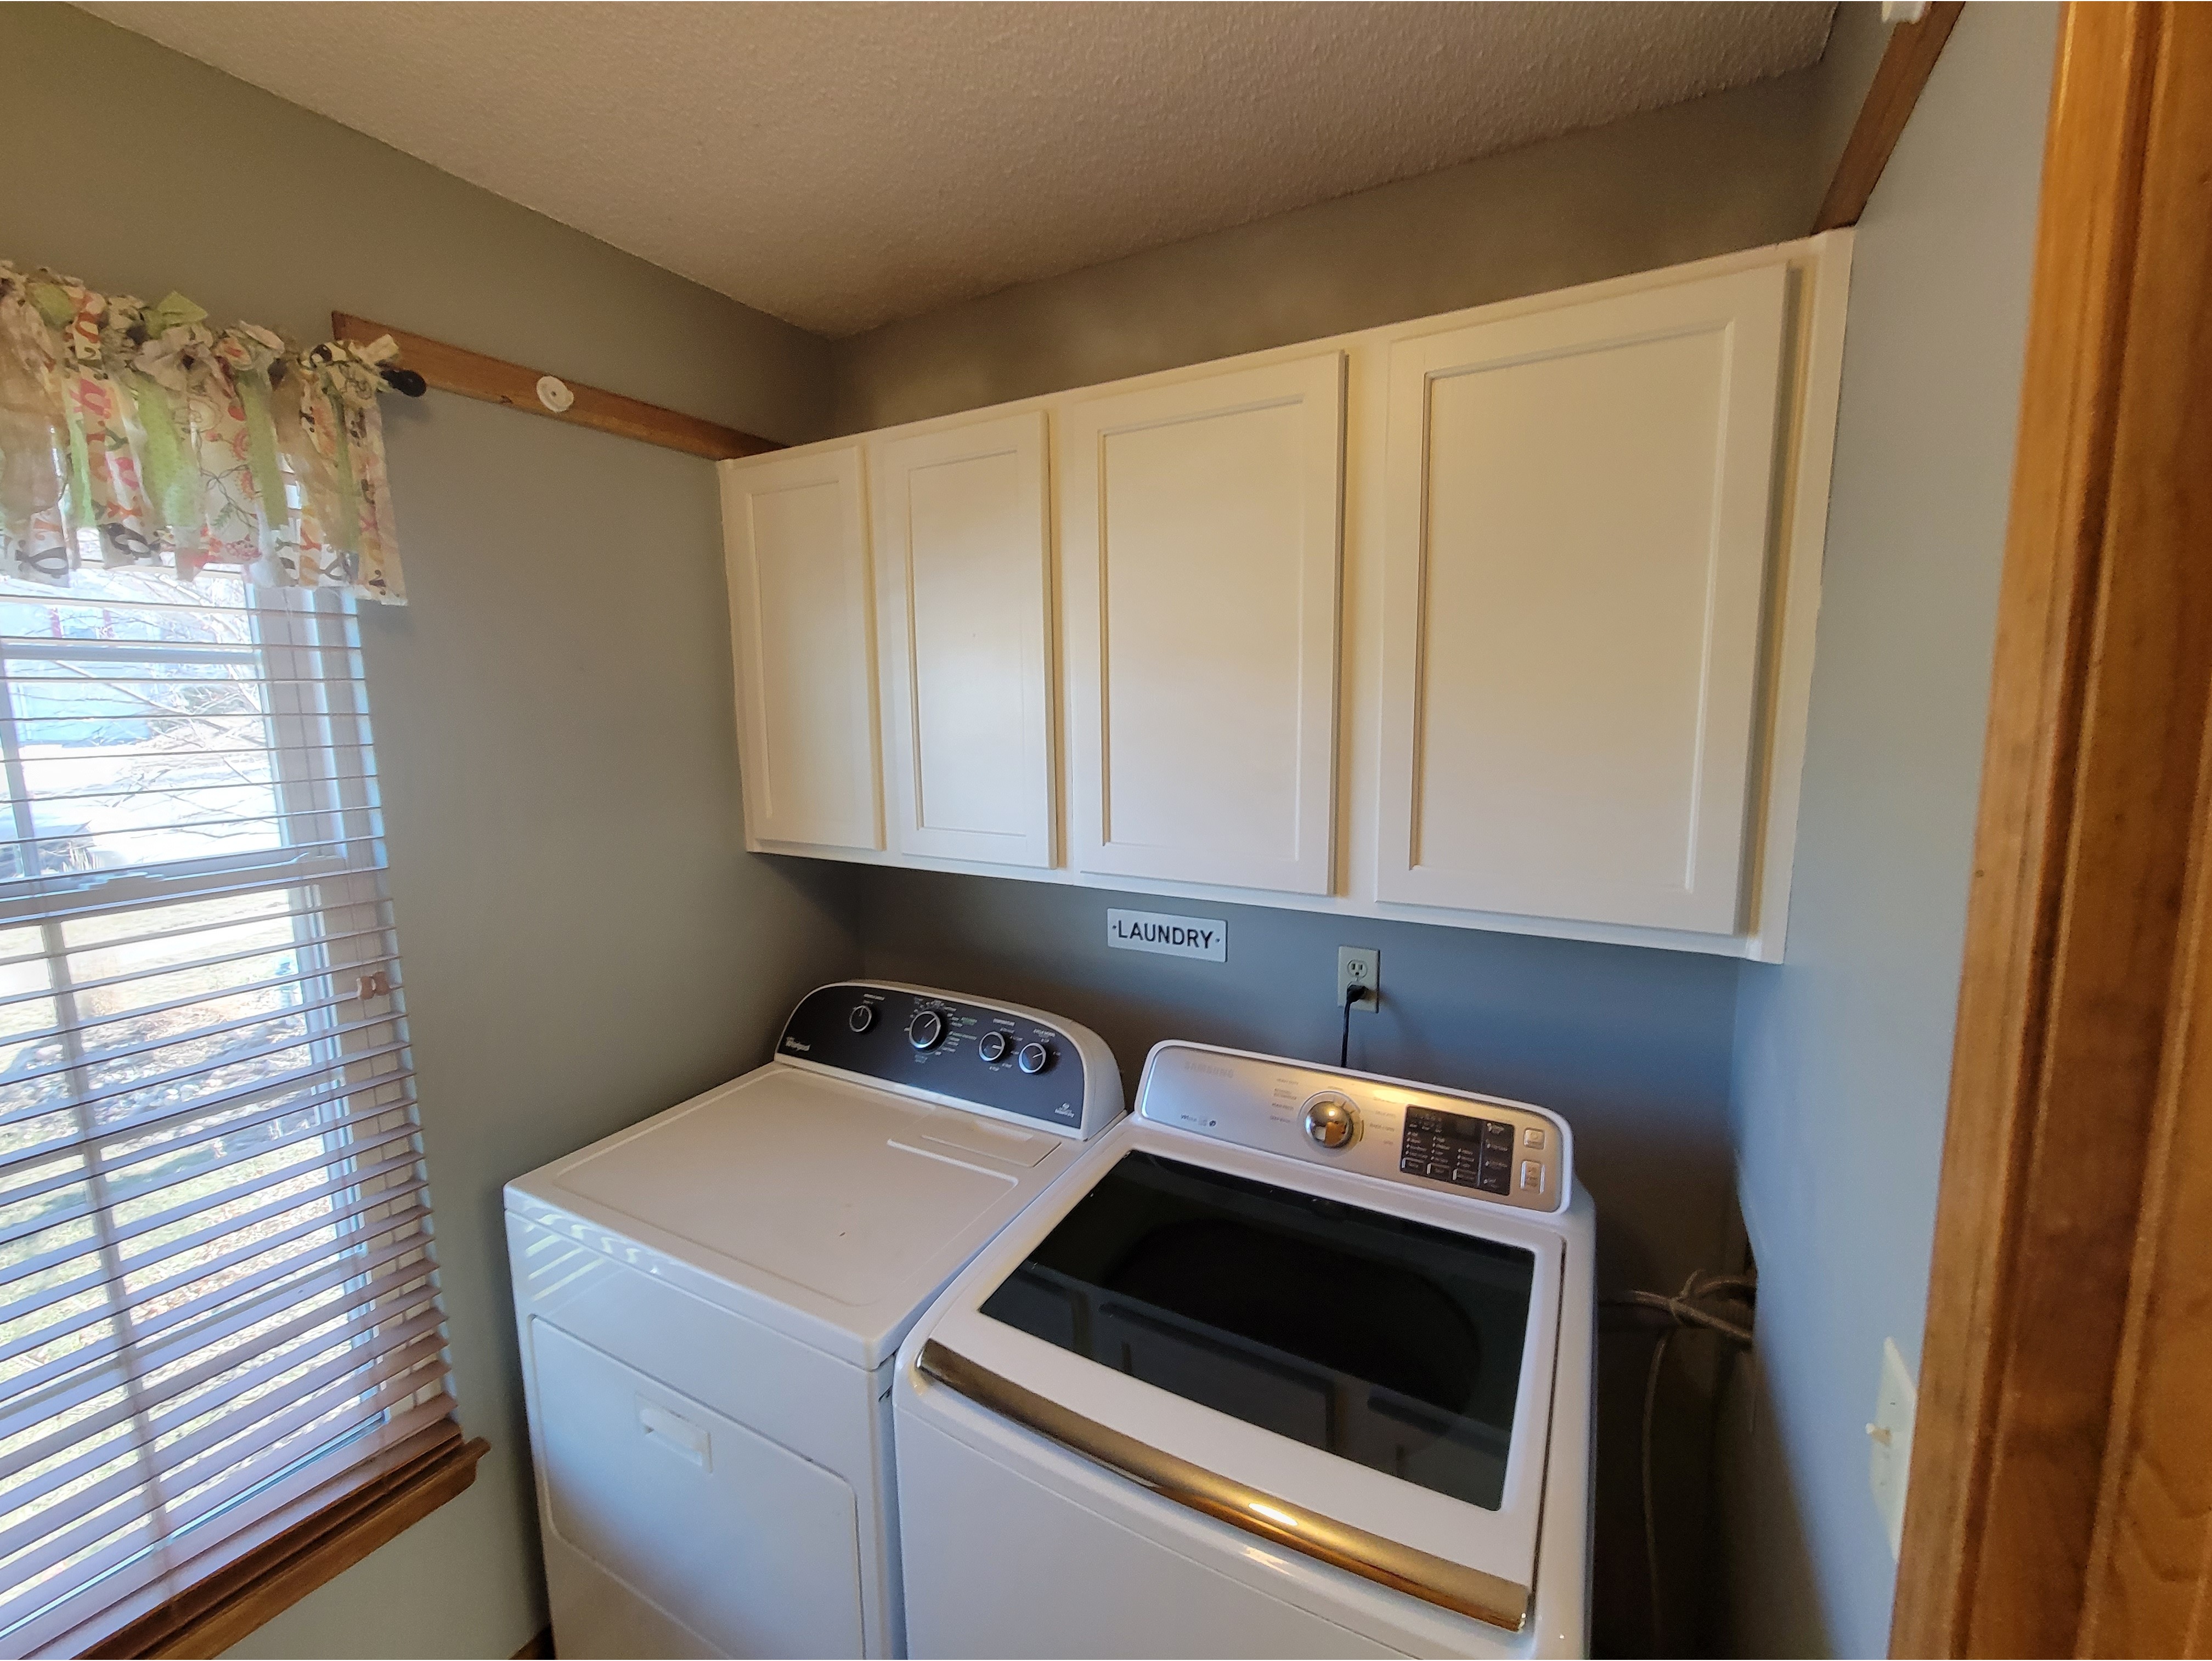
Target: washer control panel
[1470,1151]
[1004,1060]
[1505,1153]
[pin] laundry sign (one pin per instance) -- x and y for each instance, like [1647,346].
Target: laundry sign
[1177,937]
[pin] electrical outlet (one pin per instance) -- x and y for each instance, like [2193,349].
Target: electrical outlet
[1890,1440]
[1359,966]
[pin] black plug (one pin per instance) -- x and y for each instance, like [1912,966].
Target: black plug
[1351,995]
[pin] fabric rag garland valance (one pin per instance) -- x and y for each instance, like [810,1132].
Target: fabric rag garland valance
[137,434]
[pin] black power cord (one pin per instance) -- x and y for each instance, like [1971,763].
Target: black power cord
[1351,995]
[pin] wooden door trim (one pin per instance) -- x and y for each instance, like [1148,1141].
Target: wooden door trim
[2090,774]
[2148,1590]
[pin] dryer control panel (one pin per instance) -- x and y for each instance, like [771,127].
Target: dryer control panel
[998,1060]
[1507,1153]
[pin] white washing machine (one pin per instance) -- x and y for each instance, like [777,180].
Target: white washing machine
[710,1303]
[1294,1361]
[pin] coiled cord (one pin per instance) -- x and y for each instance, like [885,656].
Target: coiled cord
[1684,1313]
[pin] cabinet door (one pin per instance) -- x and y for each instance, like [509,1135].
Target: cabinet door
[1577,524]
[1201,532]
[803,628]
[964,555]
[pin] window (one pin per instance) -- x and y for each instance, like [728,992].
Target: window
[217,1285]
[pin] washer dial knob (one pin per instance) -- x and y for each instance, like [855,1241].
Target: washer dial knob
[1036,1056]
[924,1031]
[993,1046]
[862,1018]
[1331,1120]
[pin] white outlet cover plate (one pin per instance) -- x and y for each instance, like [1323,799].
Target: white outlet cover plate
[1359,966]
[1890,1461]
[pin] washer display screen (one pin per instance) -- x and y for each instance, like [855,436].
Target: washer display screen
[1382,1340]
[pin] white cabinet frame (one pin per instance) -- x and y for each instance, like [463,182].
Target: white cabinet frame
[1343,860]
[1312,388]
[1740,317]
[994,564]
[802,619]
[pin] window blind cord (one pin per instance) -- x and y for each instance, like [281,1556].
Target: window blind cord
[71,1020]
[1685,1311]
[1355,995]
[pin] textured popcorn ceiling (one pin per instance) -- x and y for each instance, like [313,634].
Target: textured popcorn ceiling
[841,165]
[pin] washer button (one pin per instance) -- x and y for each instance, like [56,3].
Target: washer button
[1533,1136]
[1532,1177]
[993,1046]
[862,1018]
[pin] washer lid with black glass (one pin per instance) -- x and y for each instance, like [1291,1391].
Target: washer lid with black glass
[821,1199]
[1294,1332]
[1392,1343]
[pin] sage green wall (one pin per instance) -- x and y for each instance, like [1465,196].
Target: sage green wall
[1843,1054]
[585,940]
[1733,171]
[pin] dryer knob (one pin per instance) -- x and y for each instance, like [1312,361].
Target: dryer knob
[1331,1121]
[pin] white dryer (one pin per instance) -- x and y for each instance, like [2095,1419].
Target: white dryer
[1294,1361]
[710,1302]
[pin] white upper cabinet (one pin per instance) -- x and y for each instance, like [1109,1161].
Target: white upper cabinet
[1503,620]
[964,552]
[1202,527]
[1579,507]
[802,620]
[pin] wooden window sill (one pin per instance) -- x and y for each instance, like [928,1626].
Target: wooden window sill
[253,1577]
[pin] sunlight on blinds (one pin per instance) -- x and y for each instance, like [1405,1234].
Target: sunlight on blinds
[216,1287]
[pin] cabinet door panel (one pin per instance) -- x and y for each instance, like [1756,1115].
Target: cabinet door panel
[1202,527]
[962,537]
[1578,528]
[802,620]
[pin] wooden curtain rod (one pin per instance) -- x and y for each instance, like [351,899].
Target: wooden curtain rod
[1895,89]
[472,374]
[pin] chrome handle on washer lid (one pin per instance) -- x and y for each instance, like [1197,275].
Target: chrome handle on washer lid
[1487,1149]
[1464,1590]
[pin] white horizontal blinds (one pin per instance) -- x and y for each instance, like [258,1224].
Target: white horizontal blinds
[216,1282]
